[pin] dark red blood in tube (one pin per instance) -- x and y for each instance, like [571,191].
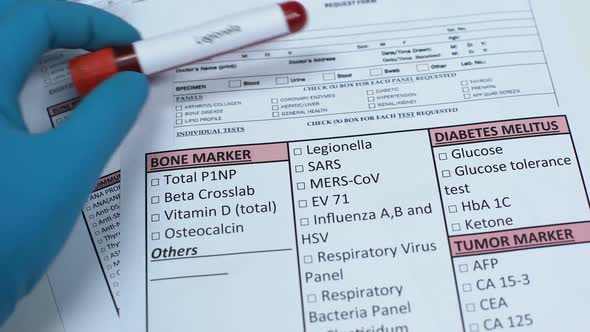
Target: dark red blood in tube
[295,15]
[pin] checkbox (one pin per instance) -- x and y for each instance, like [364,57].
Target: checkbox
[456,227]
[109,266]
[465,89]
[274,100]
[94,224]
[442,156]
[91,216]
[466,288]
[178,115]
[371,99]
[103,249]
[470,307]
[115,284]
[275,107]
[463,268]
[234,83]
[155,199]
[302,203]
[275,114]
[178,121]
[106,258]
[329,76]
[97,233]
[307,259]
[155,217]
[446,174]
[467,96]
[370,92]
[311,298]
[423,67]
[304,221]
[155,182]
[155,236]
[298,168]
[300,185]
[282,80]
[88,208]
[371,106]
[297,151]
[473,327]
[99,241]
[179,108]
[376,72]
[452,208]
[112,275]
[464,83]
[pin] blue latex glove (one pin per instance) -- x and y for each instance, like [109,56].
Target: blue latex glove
[45,179]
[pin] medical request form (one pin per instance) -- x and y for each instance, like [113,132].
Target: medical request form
[414,166]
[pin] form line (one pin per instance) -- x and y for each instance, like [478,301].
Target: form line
[192,276]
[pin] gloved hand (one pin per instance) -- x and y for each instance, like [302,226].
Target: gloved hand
[46,178]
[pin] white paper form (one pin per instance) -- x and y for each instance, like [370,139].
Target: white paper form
[84,279]
[391,168]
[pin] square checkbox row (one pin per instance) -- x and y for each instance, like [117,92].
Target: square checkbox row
[466,287]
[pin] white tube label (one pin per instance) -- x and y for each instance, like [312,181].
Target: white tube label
[197,43]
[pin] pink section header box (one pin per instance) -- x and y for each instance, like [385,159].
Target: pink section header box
[497,130]
[60,108]
[108,180]
[534,237]
[217,156]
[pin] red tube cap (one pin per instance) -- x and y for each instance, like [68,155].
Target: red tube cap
[295,14]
